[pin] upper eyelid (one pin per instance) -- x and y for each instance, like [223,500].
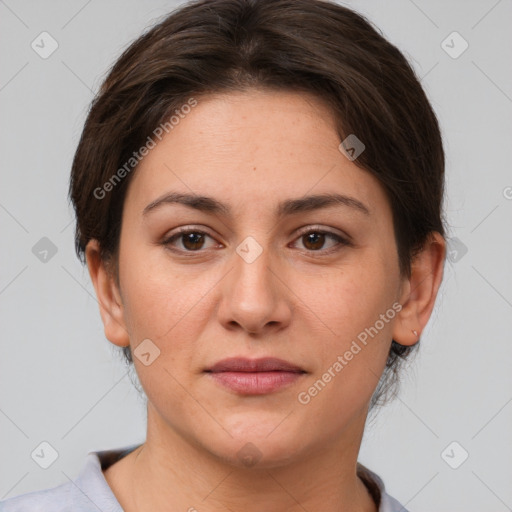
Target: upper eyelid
[301,232]
[316,228]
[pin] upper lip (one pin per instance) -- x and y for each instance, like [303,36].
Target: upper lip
[264,364]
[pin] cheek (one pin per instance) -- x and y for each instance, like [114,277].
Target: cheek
[163,305]
[355,310]
[348,300]
[158,295]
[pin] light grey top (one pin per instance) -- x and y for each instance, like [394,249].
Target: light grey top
[90,492]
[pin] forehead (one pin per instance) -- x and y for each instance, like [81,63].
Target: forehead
[252,147]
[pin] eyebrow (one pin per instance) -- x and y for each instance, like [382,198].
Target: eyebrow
[285,208]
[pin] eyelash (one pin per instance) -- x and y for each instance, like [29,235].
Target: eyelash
[341,241]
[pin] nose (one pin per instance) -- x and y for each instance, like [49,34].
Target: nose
[255,297]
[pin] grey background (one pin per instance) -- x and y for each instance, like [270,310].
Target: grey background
[60,381]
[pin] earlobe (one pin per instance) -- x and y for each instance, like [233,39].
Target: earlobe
[420,291]
[108,296]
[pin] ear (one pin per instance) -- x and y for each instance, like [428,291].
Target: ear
[109,297]
[419,292]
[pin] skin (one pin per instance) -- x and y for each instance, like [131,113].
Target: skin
[299,300]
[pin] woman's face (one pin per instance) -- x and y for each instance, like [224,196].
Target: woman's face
[252,283]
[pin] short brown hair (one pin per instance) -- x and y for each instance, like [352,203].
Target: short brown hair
[313,46]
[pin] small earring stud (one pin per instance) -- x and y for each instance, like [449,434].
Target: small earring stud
[415,332]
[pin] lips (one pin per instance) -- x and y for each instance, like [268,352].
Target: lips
[265,364]
[255,376]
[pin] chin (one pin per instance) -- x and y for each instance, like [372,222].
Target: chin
[257,454]
[260,443]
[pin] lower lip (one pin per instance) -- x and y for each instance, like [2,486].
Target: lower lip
[255,383]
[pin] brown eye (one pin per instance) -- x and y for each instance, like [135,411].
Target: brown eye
[191,240]
[315,241]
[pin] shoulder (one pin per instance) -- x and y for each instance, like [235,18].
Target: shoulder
[389,504]
[67,497]
[56,499]
[89,492]
[377,489]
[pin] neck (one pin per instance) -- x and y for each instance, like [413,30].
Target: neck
[170,472]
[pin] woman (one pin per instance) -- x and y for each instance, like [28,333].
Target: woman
[258,193]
